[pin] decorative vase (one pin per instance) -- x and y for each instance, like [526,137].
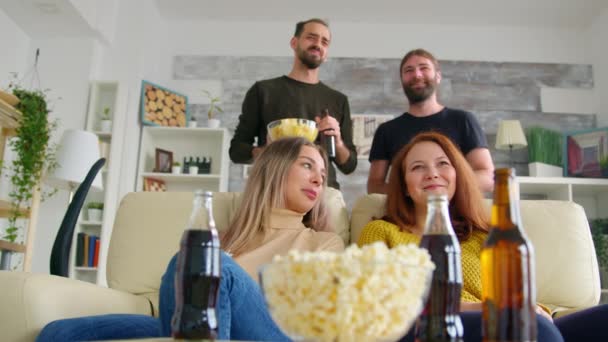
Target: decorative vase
[106,126]
[95,214]
[213,123]
[192,124]
[176,170]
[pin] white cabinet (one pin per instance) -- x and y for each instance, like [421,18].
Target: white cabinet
[591,193]
[102,95]
[185,143]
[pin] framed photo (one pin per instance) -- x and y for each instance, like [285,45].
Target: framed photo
[163,107]
[586,153]
[163,160]
[364,127]
[154,185]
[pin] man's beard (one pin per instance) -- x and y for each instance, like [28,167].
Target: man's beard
[311,61]
[420,95]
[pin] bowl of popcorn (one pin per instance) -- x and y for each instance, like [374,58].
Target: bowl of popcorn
[293,128]
[370,293]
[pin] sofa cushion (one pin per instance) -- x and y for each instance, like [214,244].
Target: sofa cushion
[567,274]
[149,225]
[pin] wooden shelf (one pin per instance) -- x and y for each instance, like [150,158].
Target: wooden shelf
[5,209]
[84,268]
[10,246]
[91,223]
[9,116]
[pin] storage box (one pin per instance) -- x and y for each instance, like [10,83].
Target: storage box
[537,169]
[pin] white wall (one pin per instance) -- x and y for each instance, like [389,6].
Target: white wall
[599,55]
[14,45]
[499,44]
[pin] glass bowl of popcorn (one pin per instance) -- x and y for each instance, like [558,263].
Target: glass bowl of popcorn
[293,128]
[370,293]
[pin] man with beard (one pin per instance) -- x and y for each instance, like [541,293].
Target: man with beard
[420,77]
[300,94]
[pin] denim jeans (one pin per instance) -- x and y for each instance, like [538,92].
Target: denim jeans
[241,310]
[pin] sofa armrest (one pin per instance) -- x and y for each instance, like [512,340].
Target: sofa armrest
[30,301]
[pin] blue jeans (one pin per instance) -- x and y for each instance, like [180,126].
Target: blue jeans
[241,310]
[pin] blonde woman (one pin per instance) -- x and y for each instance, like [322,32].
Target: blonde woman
[282,209]
[282,206]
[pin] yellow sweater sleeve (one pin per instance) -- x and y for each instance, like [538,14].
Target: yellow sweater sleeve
[372,232]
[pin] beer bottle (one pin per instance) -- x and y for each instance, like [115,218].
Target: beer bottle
[198,274]
[440,319]
[507,269]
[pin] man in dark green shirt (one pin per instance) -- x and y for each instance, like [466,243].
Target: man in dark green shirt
[298,95]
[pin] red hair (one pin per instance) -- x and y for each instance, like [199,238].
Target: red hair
[467,209]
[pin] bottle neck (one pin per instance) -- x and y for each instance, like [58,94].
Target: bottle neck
[202,212]
[505,207]
[438,218]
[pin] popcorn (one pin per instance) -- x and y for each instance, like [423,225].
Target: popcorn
[361,294]
[293,128]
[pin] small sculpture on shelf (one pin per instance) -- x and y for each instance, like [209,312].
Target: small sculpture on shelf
[202,166]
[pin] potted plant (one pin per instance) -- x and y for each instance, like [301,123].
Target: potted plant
[214,109]
[176,169]
[106,121]
[34,156]
[599,233]
[95,211]
[544,152]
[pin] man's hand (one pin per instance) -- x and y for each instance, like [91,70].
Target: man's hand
[328,125]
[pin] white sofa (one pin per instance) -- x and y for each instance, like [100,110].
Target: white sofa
[147,231]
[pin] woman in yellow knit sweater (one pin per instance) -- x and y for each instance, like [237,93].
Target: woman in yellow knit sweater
[432,163]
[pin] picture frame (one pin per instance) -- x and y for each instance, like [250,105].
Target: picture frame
[364,128]
[163,160]
[585,153]
[160,106]
[154,185]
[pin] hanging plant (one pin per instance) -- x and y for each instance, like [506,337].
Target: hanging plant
[34,154]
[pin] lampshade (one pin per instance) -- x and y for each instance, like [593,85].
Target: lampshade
[76,154]
[510,135]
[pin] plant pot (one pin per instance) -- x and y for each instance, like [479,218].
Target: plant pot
[192,124]
[95,214]
[537,169]
[193,170]
[213,123]
[106,126]
[176,170]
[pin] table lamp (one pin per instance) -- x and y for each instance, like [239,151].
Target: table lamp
[510,136]
[78,150]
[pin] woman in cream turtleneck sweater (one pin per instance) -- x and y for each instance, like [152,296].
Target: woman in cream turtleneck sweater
[282,206]
[281,209]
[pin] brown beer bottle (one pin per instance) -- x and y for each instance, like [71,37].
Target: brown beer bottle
[507,269]
[197,277]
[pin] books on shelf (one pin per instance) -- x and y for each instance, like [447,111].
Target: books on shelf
[87,250]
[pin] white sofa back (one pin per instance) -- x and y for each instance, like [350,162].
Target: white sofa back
[149,225]
[567,275]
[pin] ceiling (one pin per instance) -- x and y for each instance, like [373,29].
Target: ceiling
[527,13]
[48,18]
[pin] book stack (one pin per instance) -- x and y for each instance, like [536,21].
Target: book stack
[87,250]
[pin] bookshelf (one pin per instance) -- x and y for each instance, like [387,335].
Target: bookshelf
[9,121]
[185,142]
[102,94]
[590,193]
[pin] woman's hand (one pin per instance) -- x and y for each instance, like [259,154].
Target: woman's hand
[542,312]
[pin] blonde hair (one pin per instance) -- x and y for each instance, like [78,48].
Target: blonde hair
[265,190]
